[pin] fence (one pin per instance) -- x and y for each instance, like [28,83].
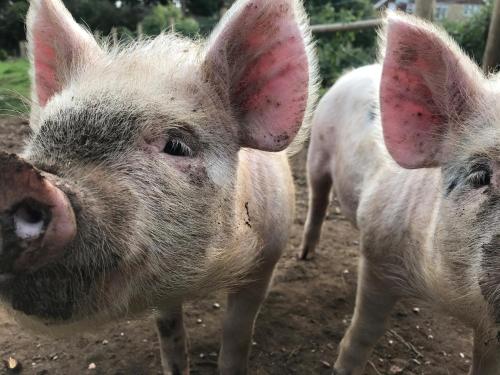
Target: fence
[346,26]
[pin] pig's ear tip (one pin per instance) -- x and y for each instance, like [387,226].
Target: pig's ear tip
[38,4]
[44,3]
[395,17]
[396,21]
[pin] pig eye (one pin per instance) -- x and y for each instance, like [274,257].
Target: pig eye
[480,177]
[175,147]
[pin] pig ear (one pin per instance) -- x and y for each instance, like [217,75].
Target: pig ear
[428,85]
[57,45]
[258,60]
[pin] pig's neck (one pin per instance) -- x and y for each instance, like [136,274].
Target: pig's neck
[256,219]
[431,255]
[397,218]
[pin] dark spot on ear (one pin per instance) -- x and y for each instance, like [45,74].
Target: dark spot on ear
[282,138]
[407,54]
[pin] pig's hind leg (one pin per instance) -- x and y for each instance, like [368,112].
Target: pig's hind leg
[173,341]
[374,303]
[320,186]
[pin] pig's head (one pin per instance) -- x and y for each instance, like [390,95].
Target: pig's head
[125,194]
[439,110]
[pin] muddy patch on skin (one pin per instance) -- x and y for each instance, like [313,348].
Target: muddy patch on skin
[48,294]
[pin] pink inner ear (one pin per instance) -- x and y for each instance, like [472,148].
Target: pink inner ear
[56,41]
[269,73]
[50,35]
[273,92]
[413,122]
[46,81]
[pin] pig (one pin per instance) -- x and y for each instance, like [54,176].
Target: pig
[156,172]
[411,148]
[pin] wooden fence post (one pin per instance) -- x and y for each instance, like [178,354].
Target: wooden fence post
[491,58]
[23,49]
[140,31]
[114,35]
[425,9]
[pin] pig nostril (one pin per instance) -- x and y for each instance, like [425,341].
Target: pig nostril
[29,219]
[30,215]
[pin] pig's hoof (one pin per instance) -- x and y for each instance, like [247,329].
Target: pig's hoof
[340,372]
[305,255]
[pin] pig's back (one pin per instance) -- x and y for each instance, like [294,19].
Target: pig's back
[346,127]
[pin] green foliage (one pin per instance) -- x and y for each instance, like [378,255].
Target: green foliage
[12,15]
[205,7]
[14,86]
[3,55]
[471,34]
[103,15]
[161,17]
[340,51]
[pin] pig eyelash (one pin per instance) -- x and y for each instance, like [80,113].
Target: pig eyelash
[176,147]
[480,178]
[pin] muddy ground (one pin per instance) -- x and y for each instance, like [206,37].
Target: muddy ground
[297,332]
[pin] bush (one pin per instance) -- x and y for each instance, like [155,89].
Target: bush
[103,15]
[161,16]
[471,35]
[12,15]
[204,7]
[340,51]
[3,55]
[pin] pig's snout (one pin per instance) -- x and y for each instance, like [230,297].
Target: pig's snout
[37,221]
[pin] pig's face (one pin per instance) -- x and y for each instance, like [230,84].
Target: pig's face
[469,216]
[144,194]
[144,144]
[439,110]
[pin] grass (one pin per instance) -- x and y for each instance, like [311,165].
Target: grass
[14,86]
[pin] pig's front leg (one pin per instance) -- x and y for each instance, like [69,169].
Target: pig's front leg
[173,342]
[486,354]
[242,308]
[373,306]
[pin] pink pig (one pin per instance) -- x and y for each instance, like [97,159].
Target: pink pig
[156,173]
[427,202]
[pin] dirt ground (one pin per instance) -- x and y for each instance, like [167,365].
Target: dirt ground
[297,332]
